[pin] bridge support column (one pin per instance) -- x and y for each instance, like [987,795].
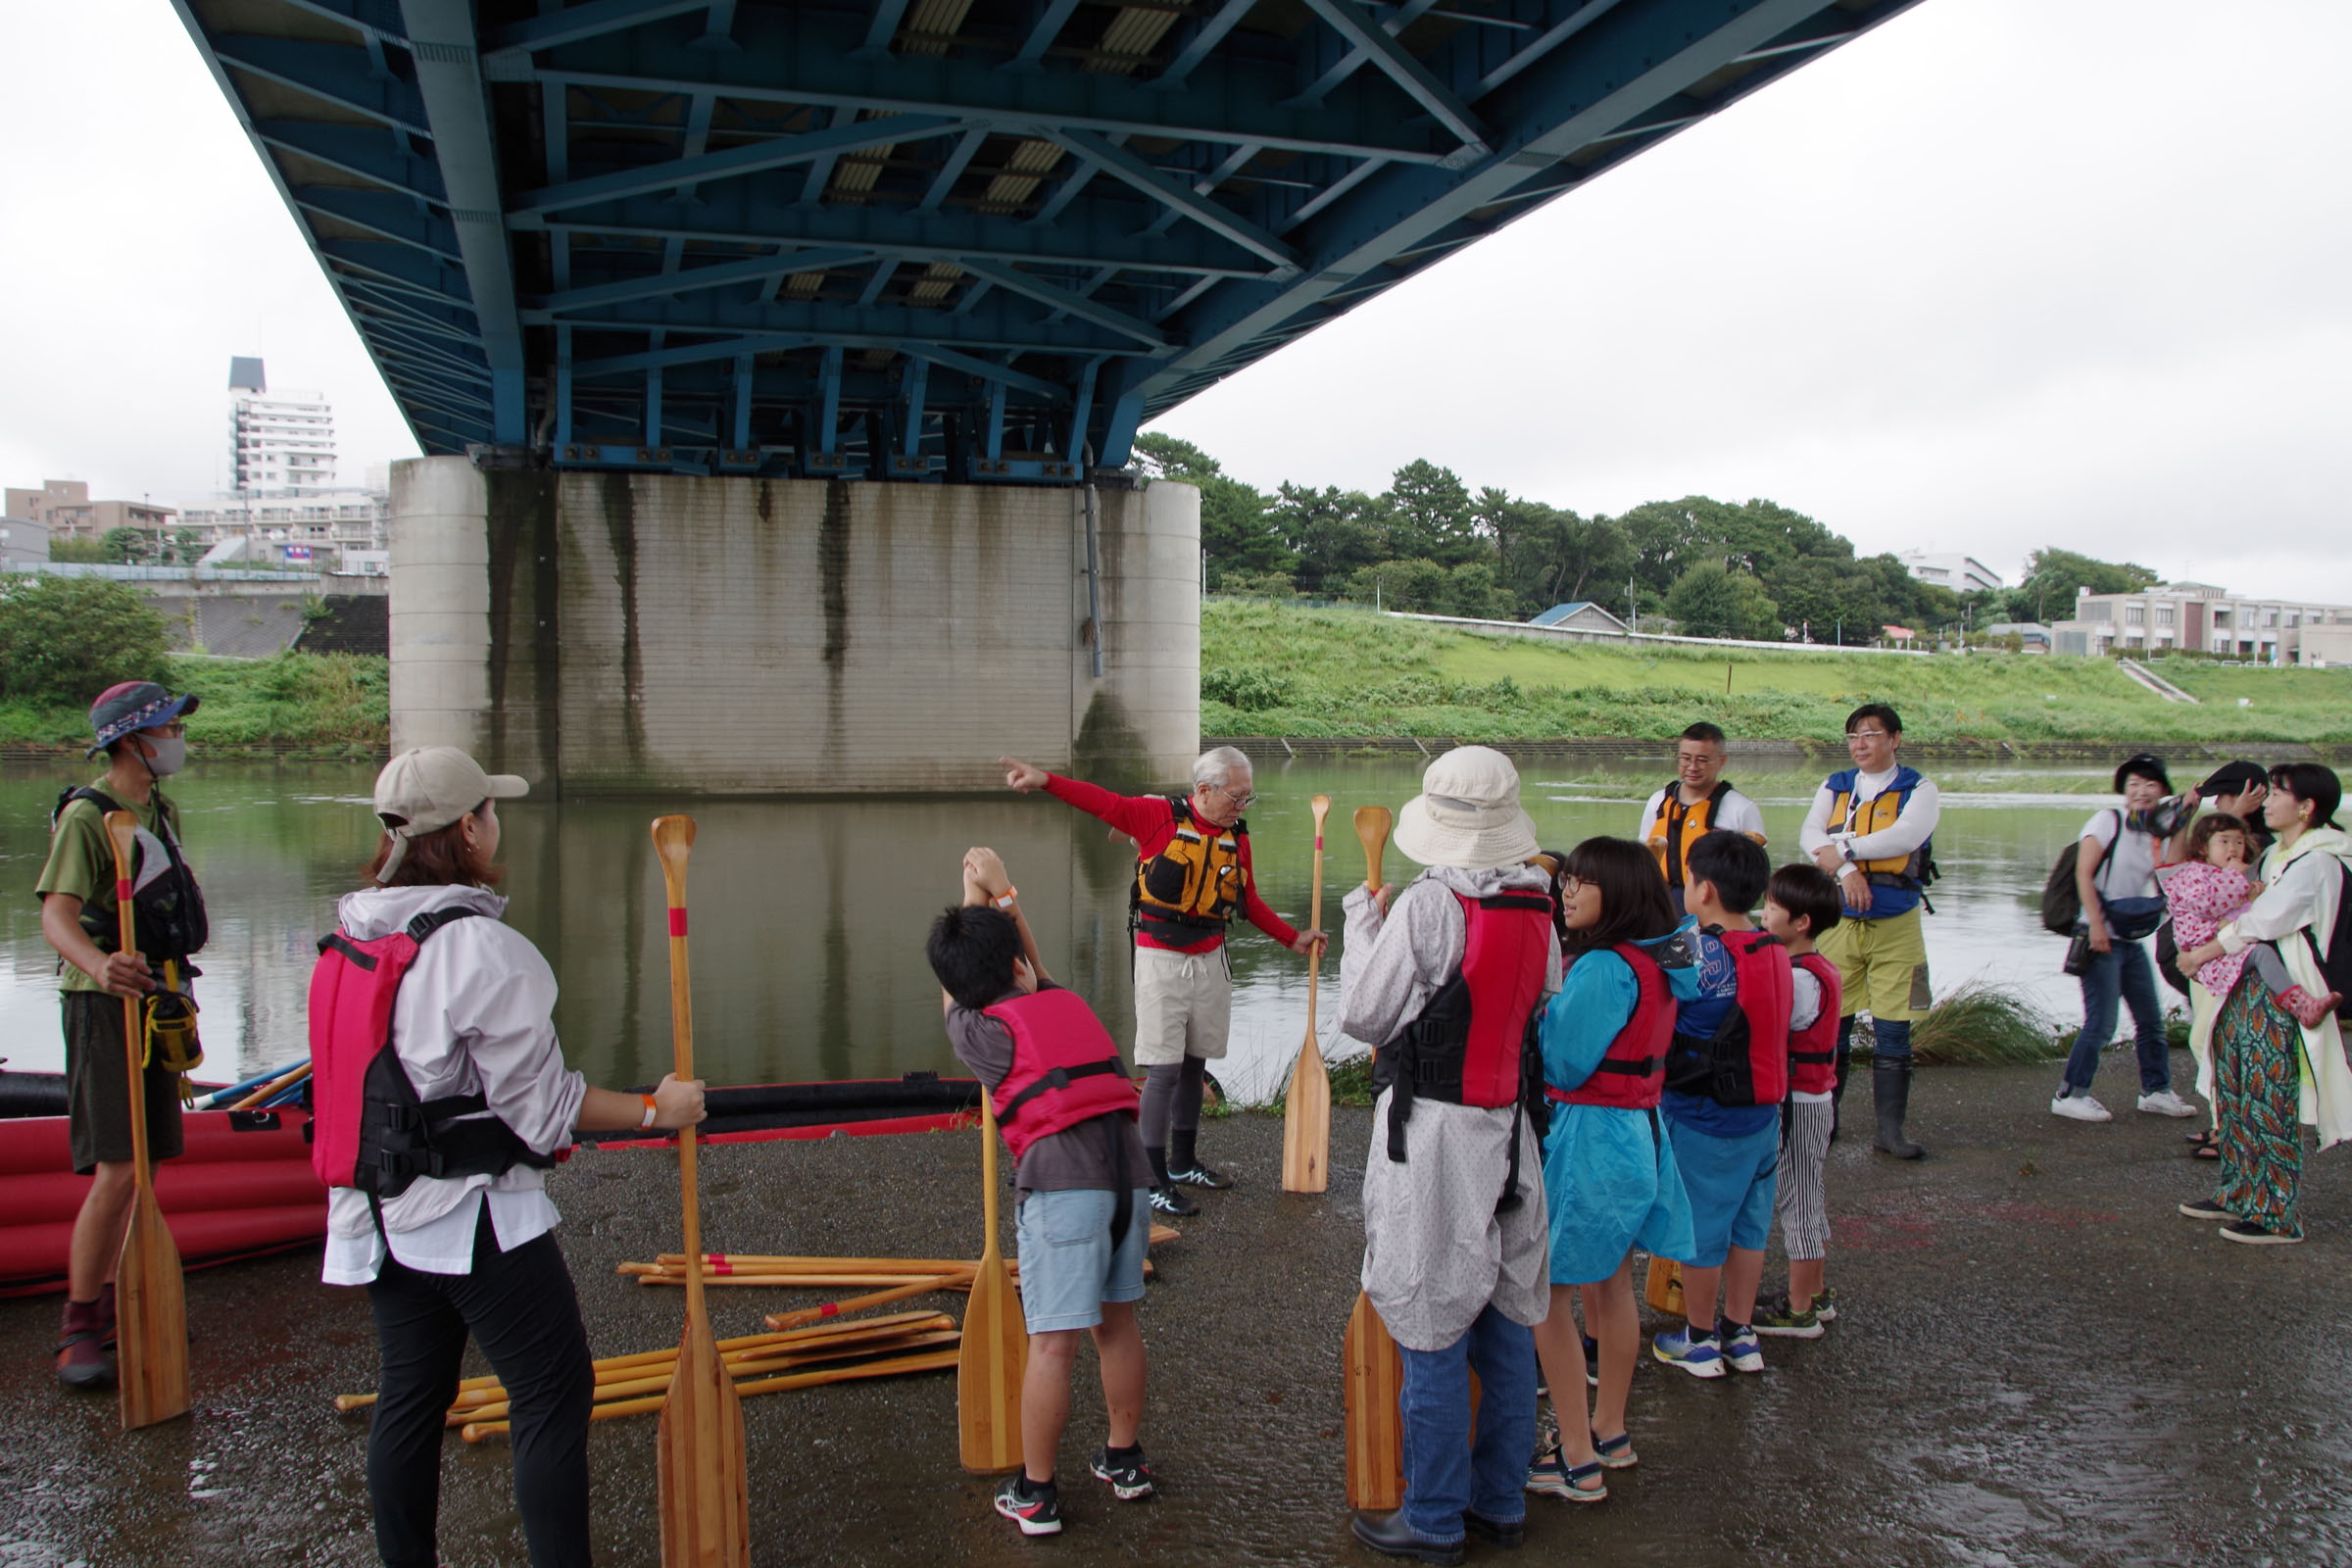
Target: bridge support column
[626,633]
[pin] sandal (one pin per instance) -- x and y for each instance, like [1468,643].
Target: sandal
[1553,1477]
[1617,1453]
[2206,1150]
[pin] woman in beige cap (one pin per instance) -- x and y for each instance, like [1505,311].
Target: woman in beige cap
[1442,980]
[435,1133]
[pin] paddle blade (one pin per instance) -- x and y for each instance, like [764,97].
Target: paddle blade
[1307,1123]
[1372,824]
[1375,1427]
[706,1488]
[988,1371]
[151,1320]
[1663,1289]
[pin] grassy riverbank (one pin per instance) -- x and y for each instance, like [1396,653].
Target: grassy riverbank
[323,705]
[1276,669]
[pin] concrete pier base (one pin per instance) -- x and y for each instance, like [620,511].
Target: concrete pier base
[617,633]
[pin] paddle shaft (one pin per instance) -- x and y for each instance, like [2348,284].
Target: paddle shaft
[121,828]
[682,1032]
[1321,806]
[932,1361]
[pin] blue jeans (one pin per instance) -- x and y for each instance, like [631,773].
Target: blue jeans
[2122,968]
[1444,1473]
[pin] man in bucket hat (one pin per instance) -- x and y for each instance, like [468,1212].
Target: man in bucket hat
[1442,980]
[138,726]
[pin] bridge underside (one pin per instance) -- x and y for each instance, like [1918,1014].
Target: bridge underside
[970,240]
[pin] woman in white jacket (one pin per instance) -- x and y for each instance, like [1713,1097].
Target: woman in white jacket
[2273,1076]
[449,1256]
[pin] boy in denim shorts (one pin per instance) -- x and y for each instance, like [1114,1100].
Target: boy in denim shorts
[1066,1107]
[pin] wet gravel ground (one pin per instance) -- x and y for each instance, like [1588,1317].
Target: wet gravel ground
[2039,1362]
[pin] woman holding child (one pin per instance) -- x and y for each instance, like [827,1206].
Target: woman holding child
[1609,1176]
[2273,1072]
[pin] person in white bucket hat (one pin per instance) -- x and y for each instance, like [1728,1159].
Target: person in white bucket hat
[1442,980]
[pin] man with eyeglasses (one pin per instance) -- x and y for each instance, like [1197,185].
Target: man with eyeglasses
[1695,802]
[1870,829]
[1193,874]
[138,726]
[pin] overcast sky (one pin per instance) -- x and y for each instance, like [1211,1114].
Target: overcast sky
[2003,274]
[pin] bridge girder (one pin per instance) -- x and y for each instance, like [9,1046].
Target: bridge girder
[973,239]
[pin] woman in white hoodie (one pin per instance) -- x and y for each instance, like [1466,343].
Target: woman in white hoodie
[449,1256]
[2273,1076]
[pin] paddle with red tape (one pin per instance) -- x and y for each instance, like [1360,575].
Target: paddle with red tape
[705,1498]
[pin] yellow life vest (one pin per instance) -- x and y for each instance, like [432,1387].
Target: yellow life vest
[1677,827]
[1194,883]
[1876,814]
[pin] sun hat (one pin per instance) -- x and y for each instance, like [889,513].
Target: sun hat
[1467,815]
[133,704]
[2234,778]
[424,790]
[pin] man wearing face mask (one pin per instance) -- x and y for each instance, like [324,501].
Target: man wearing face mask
[138,725]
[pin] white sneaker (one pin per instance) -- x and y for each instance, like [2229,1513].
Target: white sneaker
[2078,1107]
[2163,1103]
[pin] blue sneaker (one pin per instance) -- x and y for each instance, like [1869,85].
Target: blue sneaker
[1744,1351]
[1701,1359]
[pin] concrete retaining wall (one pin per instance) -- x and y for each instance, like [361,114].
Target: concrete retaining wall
[609,633]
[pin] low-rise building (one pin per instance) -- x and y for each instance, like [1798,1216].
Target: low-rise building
[1579,614]
[2033,637]
[64,507]
[2195,617]
[1961,574]
[24,544]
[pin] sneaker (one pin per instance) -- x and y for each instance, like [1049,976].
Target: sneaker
[2253,1235]
[1216,1181]
[1783,1321]
[2206,1209]
[1701,1359]
[1742,1351]
[81,1359]
[2163,1103]
[1129,1478]
[1168,1201]
[1037,1513]
[1825,1304]
[2078,1107]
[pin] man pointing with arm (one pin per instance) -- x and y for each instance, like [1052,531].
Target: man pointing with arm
[1193,875]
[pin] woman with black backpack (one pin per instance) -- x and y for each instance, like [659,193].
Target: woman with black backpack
[2272,1074]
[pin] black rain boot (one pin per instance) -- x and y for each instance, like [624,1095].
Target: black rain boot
[1845,1032]
[1891,1090]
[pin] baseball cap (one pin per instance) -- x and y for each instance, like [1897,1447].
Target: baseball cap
[424,790]
[133,704]
[2234,778]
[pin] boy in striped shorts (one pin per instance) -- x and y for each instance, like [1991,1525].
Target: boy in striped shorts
[1799,905]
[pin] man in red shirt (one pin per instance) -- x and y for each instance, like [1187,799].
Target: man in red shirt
[1193,875]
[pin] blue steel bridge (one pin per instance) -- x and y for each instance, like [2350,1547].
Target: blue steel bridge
[971,240]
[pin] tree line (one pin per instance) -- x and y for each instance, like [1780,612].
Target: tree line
[1716,569]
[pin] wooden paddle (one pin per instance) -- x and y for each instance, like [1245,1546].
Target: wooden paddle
[995,1352]
[928,1362]
[1306,1112]
[1374,1371]
[705,1495]
[150,1297]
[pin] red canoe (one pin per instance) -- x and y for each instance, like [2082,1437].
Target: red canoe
[245,1186]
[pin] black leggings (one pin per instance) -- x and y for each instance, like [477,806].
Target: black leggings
[520,1307]
[1172,1100]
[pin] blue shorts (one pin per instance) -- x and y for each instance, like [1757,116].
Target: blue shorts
[1730,1182]
[1068,1269]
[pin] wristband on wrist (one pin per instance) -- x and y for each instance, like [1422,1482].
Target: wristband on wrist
[650,1109]
[1003,900]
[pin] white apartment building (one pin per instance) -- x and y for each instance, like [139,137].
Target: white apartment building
[329,525]
[280,443]
[2196,616]
[284,502]
[1962,575]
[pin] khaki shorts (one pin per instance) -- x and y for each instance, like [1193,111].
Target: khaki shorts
[1183,1006]
[97,1095]
[1883,966]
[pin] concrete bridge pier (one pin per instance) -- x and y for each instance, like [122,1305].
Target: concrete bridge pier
[608,633]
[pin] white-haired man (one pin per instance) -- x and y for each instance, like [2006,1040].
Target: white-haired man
[1192,876]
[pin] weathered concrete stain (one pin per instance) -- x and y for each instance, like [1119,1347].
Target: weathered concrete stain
[522,528]
[833,565]
[620,494]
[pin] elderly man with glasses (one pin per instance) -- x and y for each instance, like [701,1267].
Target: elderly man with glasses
[1870,827]
[1193,874]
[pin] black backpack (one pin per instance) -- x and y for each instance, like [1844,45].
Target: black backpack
[2335,965]
[2061,900]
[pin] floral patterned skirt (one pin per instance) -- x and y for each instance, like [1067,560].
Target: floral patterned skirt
[2258,1083]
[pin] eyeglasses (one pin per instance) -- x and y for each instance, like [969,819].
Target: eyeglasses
[1240,798]
[1570,882]
[1853,735]
[173,730]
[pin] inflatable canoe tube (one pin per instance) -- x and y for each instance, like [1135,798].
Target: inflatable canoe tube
[245,1186]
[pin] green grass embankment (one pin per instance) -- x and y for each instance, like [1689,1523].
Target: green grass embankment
[314,703]
[1277,670]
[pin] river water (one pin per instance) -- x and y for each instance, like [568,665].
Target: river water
[809,915]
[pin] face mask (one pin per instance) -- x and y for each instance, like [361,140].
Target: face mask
[171,755]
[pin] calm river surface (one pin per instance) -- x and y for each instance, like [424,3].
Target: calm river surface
[809,915]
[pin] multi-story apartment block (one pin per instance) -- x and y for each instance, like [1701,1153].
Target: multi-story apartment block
[2195,617]
[1962,575]
[64,508]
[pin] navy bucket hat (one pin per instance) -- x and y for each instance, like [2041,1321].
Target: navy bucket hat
[134,705]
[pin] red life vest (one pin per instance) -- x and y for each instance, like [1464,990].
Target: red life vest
[1813,1049]
[1745,1061]
[369,1129]
[1065,1068]
[1633,1074]
[1472,1045]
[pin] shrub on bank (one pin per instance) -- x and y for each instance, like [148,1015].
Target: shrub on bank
[63,640]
